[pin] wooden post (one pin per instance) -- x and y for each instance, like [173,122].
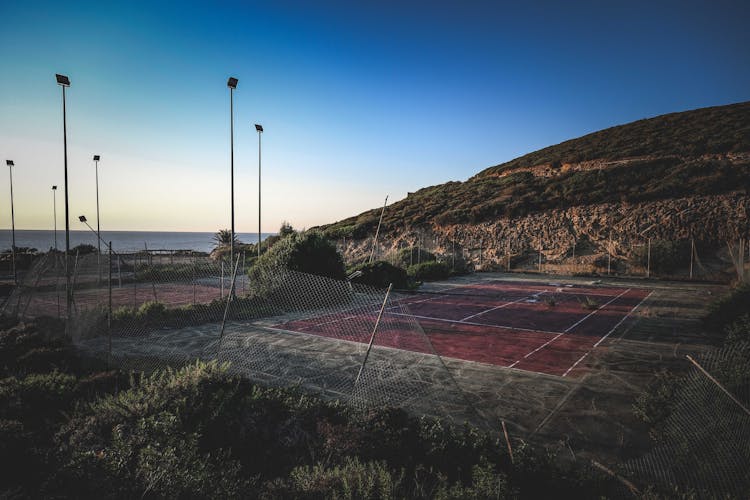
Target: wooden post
[507,441]
[692,254]
[648,260]
[609,254]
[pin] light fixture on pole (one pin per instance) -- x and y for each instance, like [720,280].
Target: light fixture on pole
[54,212]
[12,224]
[232,84]
[259,129]
[83,219]
[98,232]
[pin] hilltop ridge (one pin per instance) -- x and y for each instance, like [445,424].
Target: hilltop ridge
[693,153]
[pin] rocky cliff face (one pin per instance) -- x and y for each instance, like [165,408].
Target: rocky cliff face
[612,228]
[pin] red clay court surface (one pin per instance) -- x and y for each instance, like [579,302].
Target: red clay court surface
[508,324]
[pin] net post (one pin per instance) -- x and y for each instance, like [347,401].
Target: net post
[372,337]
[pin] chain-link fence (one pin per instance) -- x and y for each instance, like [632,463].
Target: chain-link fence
[683,259]
[143,311]
[361,345]
[704,444]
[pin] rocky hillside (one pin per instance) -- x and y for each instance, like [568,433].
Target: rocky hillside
[676,176]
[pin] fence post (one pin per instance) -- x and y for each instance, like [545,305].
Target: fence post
[481,247]
[109,311]
[372,337]
[507,255]
[453,253]
[609,253]
[648,260]
[540,256]
[692,254]
[135,280]
[193,277]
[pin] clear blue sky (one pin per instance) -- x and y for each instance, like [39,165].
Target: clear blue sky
[358,99]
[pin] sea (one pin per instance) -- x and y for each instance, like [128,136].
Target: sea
[122,241]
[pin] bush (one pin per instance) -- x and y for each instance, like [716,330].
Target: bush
[351,480]
[380,274]
[666,256]
[83,249]
[151,312]
[739,331]
[37,400]
[308,252]
[656,403]
[728,309]
[409,256]
[428,271]
[152,439]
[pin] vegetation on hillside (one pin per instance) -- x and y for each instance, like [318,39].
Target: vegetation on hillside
[668,162]
[714,130]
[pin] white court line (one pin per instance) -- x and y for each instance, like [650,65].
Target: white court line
[595,311]
[537,294]
[566,331]
[608,334]
[324,322]
[473,324]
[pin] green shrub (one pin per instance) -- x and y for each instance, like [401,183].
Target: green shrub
[351,480]
[37,400]
[83,249]
[380,274]
[308,252]
[428,271]
[666,256]
[485,483]
[409,256]
[158,438]
[151,312]
[656,403]
[728,309]
[589,303]
[738,331]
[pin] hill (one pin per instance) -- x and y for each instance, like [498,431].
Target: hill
[703,152]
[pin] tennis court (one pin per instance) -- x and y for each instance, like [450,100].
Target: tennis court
[539,327]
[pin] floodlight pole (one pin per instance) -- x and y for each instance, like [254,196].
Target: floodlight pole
[259,129]
[64,82]
[54,212]
[12,224]
[232,84]
[98,232]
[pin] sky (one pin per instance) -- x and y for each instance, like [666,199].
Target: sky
[358,99]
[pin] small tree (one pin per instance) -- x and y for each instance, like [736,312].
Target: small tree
[286,229]
[223,238]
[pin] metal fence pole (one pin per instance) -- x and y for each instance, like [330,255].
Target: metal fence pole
[109,310]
